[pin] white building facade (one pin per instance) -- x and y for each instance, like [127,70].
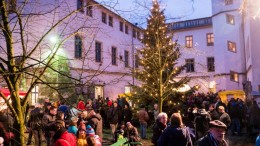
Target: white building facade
[222,50]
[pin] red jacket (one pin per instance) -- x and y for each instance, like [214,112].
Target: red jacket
[66,139]
[81,105]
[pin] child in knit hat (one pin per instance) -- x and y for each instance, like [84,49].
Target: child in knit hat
[81,135]
[91,135]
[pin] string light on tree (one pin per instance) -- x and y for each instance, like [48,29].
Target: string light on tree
[157,60]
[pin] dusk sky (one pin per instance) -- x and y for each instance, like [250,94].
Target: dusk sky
[136,11]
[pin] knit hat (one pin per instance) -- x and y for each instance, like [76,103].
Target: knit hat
[74,119]
[90,131]
[82,126]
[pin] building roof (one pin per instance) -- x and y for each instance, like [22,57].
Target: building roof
[194,23]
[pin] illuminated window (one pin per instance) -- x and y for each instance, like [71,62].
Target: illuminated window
[211,64]
[232,46]
[210,39]
[234,76]
[110,21]
[190,65]
[189,41]
[127,89]
[228,2]
[104,17]
[230,19]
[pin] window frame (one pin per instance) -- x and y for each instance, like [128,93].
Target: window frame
[138,35]
[230,19]
[113,55]
[189,41]
[80,5]
[211,64]
[98,52]
[104,17]
[228,2]
[234,49]
[233,76]
[134,33]
[126,58]
[90,10]
[78,47]
[210,39]
[121,26]
[126,29]
[190,65]
[137,61]
[110,20]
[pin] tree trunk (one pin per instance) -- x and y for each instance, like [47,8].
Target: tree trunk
[19,131]
[160,102]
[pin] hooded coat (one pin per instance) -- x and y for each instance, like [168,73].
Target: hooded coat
[63,138]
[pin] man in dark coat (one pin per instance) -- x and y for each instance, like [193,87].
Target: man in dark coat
[114,117]
[213,112]
[159,126]
[35,123]
[48,122]
[201,121]
[215,136]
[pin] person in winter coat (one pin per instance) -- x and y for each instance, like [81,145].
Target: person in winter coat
[48,122]
[201,121]
[159,126]
[73,126]
[215,136]
[224,117]
[213,112]
[35,123]
[81,105]
[176,134]
[62,137]
[82,135]
[131,133]
[127,113]
[143,118]
[114,116]
[91,133]
[95,121]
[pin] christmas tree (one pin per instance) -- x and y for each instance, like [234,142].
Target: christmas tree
[158,62]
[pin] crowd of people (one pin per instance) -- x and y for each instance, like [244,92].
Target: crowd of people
[205,124]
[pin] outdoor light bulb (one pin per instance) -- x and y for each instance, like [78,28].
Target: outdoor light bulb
[53,39]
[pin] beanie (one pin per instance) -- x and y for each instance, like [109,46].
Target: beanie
[82,126]
[90,131]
